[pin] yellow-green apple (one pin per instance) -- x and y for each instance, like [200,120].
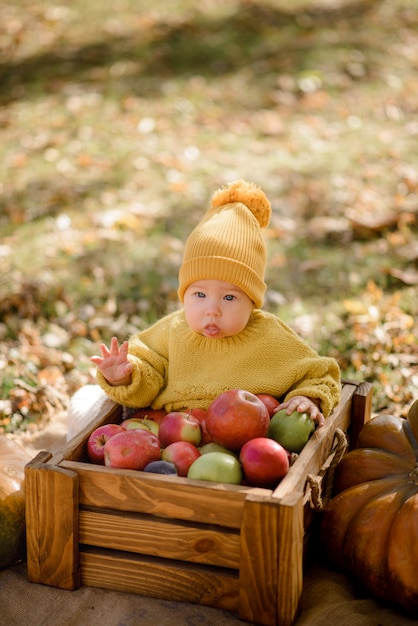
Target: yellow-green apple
[212,446]
[179,426]
[264,462]
[236,416]
[270,401]
[291,431]
[132,449]
[161,467]
[182,454]
[97,440]
[218,467]
[139,422]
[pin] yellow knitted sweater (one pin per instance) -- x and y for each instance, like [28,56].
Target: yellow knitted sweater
[176,368]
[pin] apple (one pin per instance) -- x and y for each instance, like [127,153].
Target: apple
[291,431]
[264,462]
[156,415]
[139,422]
[182,454]
[236,416]
[132,449]
[97,440]
[212,446]
[270,401]
[161,467]
[218,467]
[200,414]
[179,426]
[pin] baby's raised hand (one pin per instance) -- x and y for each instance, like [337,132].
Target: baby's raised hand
[114,363]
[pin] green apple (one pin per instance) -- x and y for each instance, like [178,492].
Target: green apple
[291,431]
[219,467]
[212,446]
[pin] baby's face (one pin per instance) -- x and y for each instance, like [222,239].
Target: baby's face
[216,309]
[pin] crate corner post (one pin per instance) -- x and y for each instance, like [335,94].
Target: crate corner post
[271,568]
[52,509]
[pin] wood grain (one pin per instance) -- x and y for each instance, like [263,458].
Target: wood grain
[52,524]
[153,536]
[160,578]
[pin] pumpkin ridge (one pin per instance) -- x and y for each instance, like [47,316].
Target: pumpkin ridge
[387,432]
[401,566]
[370,528]
[366,548]
[365,464]
[412,419]
[341,510]
[409,428]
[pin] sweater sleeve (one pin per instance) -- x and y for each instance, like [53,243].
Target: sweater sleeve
[317,377]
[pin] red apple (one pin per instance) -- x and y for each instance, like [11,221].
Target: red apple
[157,415]
[97,440]
[270,401]
[182,454]
[263,464]
[200,414]
[179,426]
[132,449]
[235,417]
[138,422]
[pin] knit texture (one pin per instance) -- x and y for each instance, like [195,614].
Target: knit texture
[176,368]
[228,244]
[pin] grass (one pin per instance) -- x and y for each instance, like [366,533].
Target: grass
[118,122]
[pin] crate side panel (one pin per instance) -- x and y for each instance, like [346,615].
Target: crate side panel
[168,496]
[159,578]
[163,538]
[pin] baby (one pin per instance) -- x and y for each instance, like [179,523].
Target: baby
[221,338]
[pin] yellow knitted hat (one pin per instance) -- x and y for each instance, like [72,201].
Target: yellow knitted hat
[228,244]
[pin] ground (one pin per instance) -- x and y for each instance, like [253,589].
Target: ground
[119,120]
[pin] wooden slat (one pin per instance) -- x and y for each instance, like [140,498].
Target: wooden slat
[160,578]
[316,451]
[167,496]
[148,535]
[52,524]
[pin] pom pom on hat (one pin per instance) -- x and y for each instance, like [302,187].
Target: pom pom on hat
[228,244]
[253,197]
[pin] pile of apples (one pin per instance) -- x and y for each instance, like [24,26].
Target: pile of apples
[240,439]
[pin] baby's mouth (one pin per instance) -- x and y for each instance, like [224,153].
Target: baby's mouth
[211,330]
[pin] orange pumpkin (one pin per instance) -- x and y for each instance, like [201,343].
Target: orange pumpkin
[13,458]
[370,527]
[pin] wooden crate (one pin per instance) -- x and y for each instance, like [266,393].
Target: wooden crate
[232,547]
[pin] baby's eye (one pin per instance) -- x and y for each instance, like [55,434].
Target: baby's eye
[200,294]
[229,297]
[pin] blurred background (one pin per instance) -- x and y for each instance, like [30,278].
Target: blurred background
[118,121]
